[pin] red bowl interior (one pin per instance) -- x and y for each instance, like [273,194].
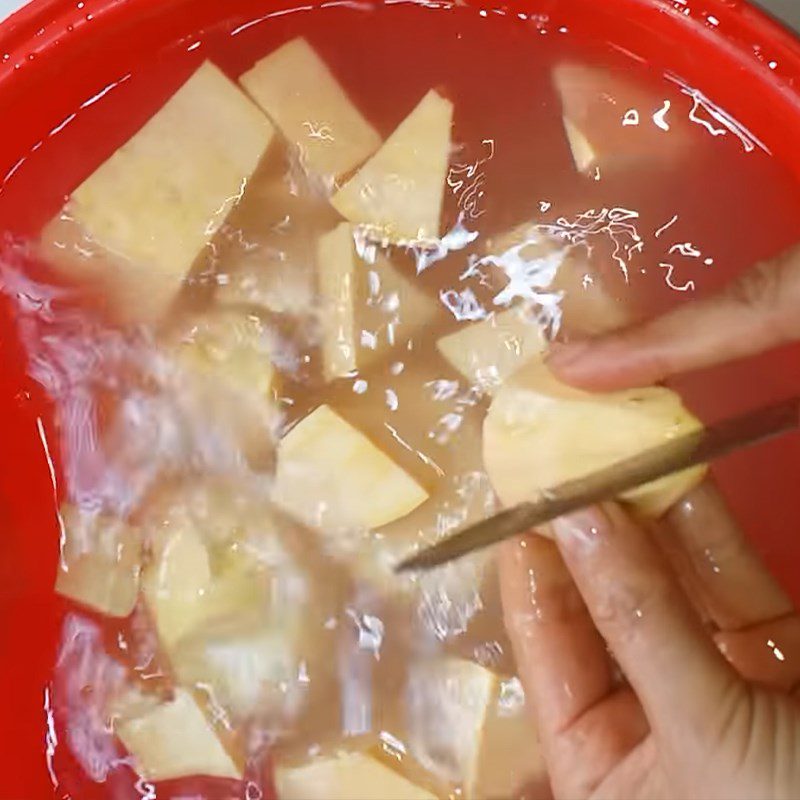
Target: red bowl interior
[55,54]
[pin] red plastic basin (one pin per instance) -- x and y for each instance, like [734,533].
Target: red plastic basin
[54,54]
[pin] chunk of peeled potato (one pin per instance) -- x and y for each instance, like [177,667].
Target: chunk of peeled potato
[398,194]
[612,121]
[594,296]
[100,561]
[247,662]
[175,740]
[510,756]
[295,87]
[330,475]
[448,702]
[139,222]
[540,433]
[489,351]
[367,309]
[348,776]
[229,346]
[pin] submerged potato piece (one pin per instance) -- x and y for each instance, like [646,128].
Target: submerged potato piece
[612,121]
[594,298]
[229,346]
[540,433]
[510,756]
[448,701]
[398,194]
[367,309]
[100,561]
[349,776]
[298,91]
[246,663]
[176,583]
[330,474]
[490,351]
[175,740]
[155,204]
[337,279]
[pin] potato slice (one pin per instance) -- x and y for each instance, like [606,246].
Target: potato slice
[510,756]
[539,433]
[100,561]
[490,351]
[398,194]
[367,309]
[176,584]
[248,664]
[138,223]
[175,740]
[338,277]
[301,95]
[449,700]
[595,299]
[612,121]
[348,776]
[330,474]
[228,346]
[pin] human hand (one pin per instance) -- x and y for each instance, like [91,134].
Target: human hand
[683,720]
[758,311]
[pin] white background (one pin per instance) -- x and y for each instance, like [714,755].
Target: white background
[788,9]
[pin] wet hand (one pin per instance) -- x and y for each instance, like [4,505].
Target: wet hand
[758,311]
[660,664]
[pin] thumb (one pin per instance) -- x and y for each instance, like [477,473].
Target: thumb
[758,311]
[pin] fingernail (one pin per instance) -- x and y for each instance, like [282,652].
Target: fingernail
[582,532]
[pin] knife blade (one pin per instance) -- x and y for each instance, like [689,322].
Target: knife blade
[700,447]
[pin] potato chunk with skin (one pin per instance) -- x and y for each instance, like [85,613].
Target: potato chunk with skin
[398,194]
[100,561]
[175,740]
[540,433]
[140,221]
[348,776]
[489,351]
[295,87]
[367,309]
[330,475]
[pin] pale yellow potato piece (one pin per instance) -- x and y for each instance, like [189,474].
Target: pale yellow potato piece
[155,204]
[349,776]
[295,87]
[398,194]
[330,475]
[175,740]
[510,755]
[246,661]
[366,309]
[100,561]
[186,589]
[583,154]
[613,121]
[337,278]
[177,582]
[595,298]
[449,700]
[229,346]
[490,351]
[540,433]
